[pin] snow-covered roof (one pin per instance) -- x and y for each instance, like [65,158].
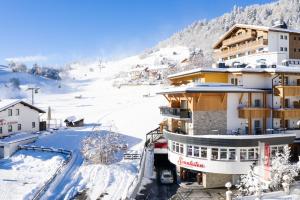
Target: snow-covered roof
[209,88]
[256,27]
[278,69]
[74,118]
[6,103]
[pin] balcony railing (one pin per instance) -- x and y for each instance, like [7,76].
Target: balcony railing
[287,90]
[239,38]
[254,112]
[287,113]
[242,48]
[176,112]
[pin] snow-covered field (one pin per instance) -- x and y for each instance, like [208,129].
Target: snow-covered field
[25,172]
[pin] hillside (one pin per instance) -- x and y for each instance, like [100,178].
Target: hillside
[209,31]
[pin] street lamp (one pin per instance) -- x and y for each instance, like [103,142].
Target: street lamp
[34,90]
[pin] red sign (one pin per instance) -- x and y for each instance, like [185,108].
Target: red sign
[3,122]
[267,161]
[190,163]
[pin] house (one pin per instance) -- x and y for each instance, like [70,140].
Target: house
[18,116]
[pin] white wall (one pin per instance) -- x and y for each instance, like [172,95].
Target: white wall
[274,42]
[233,120]
[26,117]
[256,81]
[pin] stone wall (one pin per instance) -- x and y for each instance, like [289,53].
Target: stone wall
[205,121]
[212,180]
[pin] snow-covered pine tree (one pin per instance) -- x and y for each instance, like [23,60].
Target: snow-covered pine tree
[249,183]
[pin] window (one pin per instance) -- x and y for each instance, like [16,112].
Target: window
[257,103]
[0,130]
[223,154]
[281,48]
[33,124]
[9,127]
[17,112]
[285,37]
[281,36]
[234,81]
[243,154]
[251,154]
[181,148]
[285,49]
[203,152]
[177,147]
[196,151]
[9,112]
[190,150]
[19,127]
[231,154]
[214,153]
[173,146]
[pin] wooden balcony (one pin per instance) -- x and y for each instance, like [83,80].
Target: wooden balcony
[250,46]
[176,113]
[254,112]
[287,113]
[239,38]
[289,90]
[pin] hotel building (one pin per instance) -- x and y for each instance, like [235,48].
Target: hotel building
[216,117]
[250,44]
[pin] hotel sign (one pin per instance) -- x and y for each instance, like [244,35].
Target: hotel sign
[4,122]
[189,163]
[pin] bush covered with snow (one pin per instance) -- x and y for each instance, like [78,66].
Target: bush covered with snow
[282,170]
[98,148]
[283,173]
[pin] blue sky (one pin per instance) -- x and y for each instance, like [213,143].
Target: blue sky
[59,31]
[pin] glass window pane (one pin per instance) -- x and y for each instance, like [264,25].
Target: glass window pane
[181,148]
[243,154]
[223,153]
[177,147]
[231,154]
[214,154]
[251,154]
[203,152]
[196,151]
[190,150]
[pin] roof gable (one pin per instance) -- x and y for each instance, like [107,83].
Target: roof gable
[7,103]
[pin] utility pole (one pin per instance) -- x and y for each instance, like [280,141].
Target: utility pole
[33,90]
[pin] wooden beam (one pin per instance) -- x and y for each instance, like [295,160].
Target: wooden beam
[167,98]
[223,98]
[241,97]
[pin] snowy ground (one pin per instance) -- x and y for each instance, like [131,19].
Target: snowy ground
[25,172]
[130,110]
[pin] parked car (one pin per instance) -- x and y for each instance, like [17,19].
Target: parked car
[166,177]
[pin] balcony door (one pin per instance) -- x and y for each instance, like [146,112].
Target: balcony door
[286,103]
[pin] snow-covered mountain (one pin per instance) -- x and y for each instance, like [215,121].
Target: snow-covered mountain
[203,34]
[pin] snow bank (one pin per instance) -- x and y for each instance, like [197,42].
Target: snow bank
[25,172]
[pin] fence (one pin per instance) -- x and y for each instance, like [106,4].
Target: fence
[137,181]
[69,156]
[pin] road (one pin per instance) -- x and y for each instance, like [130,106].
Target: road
[157,191]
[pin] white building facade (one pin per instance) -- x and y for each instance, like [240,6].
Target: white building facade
[18,116]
